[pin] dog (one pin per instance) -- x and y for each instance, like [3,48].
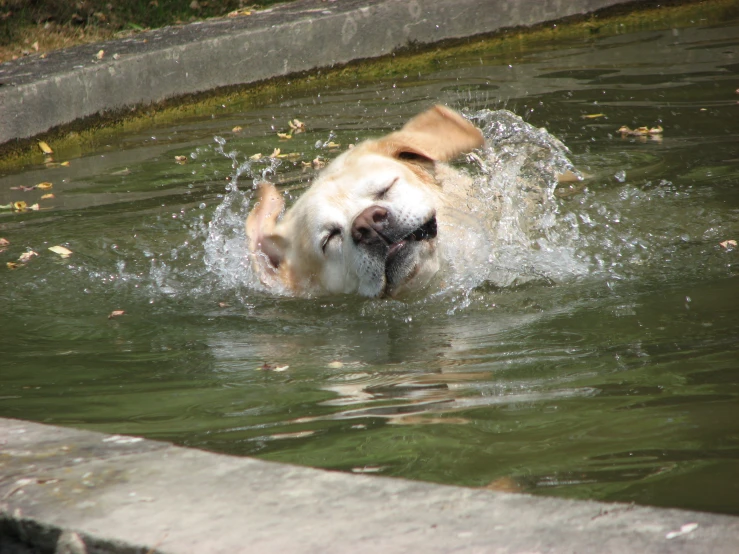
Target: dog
[378,221]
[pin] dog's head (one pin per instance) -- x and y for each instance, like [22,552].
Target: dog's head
[368,224]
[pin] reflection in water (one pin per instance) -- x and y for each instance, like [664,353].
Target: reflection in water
[591,353]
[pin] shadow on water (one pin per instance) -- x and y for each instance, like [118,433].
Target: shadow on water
[591,354]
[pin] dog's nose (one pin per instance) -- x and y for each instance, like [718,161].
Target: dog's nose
[369,224]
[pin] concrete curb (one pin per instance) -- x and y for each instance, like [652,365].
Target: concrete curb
[89,492]
[37,94]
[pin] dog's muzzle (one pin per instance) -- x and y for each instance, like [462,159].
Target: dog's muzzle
[373,228]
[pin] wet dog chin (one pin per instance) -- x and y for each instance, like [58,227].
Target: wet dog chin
[408,268]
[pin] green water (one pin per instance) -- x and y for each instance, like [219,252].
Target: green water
[615,377]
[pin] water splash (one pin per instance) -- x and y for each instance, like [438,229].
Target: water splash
[515,176]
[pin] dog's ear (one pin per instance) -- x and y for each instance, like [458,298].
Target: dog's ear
[438,134]
[264,244]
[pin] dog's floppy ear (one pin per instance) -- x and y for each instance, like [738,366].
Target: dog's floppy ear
[438,134]
[264,245]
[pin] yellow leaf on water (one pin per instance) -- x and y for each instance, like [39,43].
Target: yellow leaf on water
[100,54]
[284,136]
[45,148]
[181,159]
[236,129]
[13,265]
[4,242]
[296,125]
[728,244]
[26,256]
[19,206]
[61,250]
[35,207]
[44,186]
[257,156]
[47,196]
[65,164]
[593,115]
[116,313]
[275,153]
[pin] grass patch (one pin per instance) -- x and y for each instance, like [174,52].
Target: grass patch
[37,26]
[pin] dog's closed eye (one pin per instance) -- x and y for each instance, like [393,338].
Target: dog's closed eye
[334,233]
[380,195]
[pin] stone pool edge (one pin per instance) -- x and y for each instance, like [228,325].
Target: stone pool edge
[39,94]
[88,492]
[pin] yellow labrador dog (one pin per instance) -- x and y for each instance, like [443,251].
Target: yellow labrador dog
[372,222]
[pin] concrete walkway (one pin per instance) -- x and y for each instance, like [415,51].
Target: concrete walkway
[78,491]
[37,94]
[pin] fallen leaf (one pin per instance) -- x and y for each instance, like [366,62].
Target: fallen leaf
[273,367]
[335,365]
[296,125]
[256,156]
[23,188]
[568,176]
[728,244]
[4,242]
[35,46]
[367,469]
[224,305]
[45,148]
[180,159]
[35,207]
[26,256]
[44,186]
[13,265]
[318,163]
[61,250]
[504,484]
[100,54]
[116,313]
[47,196]
[284,136]
[65,164]
[237,13]
[20,206]
[236,129]
[331,144]
[116,56]
[684,530]
[275,153]
[593,116]
[640,131]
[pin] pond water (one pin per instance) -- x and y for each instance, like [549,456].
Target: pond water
[600,358]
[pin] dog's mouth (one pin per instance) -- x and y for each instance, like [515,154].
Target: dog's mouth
[427,231]
[401,261]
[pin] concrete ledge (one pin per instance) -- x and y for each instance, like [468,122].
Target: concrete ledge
[88,492]
[37,94]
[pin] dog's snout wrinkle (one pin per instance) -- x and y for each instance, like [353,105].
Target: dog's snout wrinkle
[369,225]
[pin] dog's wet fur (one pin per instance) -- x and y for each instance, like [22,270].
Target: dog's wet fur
[374,221]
